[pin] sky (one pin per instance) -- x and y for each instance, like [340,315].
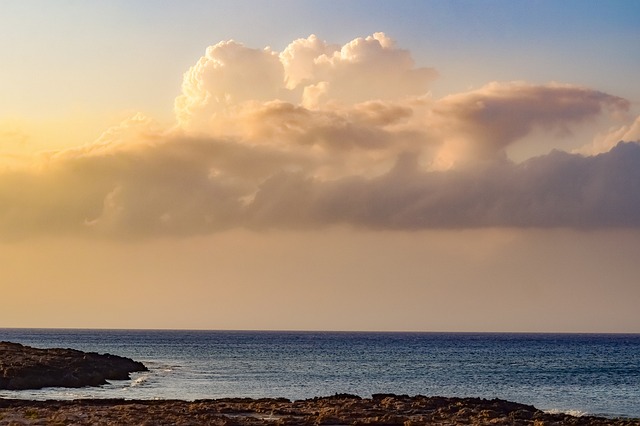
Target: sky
[320,165]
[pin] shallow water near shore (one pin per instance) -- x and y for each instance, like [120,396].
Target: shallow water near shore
[579,373]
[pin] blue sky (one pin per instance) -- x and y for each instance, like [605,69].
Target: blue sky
[132,55]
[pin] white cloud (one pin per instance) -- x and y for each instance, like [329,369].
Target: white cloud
[227,75]
[309,71]
[321,135]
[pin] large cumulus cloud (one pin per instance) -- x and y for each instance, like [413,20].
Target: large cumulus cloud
[232,77]
[321,135]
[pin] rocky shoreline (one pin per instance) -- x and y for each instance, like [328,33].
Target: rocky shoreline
[335,410]
[22,367]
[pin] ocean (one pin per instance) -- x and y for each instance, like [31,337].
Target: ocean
[595,374]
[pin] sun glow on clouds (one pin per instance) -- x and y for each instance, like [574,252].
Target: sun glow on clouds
[322,134]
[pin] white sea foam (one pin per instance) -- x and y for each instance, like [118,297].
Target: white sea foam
[575,413]
[139,381]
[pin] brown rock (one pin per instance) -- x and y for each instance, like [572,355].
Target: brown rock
[24,367]
[317,411]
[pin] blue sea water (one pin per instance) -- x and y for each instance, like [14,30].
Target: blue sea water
[577,373]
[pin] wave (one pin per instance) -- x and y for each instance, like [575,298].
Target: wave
[575,413]
[140,381]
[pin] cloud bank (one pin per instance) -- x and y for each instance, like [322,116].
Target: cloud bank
[322,134]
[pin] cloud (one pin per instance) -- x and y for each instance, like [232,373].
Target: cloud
[485,121]
[321,135]
[363,69]
[605,141]
[191,186]
[308,71]
[555,190]
[227,75]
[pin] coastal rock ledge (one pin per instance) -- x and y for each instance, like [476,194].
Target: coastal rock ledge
[340,409]
[23,367]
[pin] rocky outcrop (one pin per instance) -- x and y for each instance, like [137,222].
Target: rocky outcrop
[24,367]
[340,409]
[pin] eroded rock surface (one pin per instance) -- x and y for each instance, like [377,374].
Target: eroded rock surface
[24,367]
[336,410]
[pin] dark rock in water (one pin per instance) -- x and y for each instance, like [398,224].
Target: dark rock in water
[24,367]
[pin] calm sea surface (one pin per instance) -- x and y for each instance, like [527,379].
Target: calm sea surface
[578,373]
